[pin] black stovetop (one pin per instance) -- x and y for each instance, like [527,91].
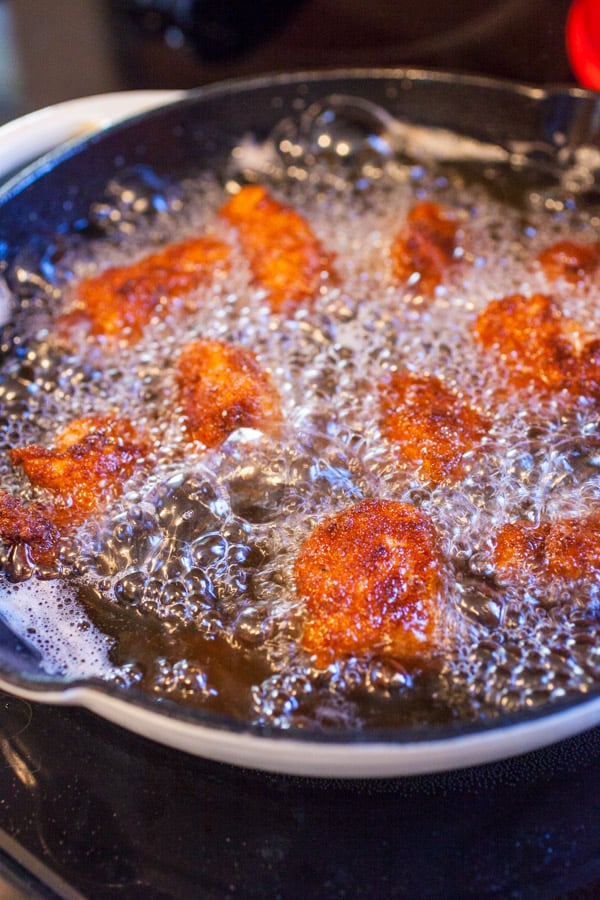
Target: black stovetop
[90,809]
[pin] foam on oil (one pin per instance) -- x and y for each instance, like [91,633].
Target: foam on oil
[47,616]
[200,552]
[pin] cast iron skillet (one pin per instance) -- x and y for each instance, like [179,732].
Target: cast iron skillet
[529,133]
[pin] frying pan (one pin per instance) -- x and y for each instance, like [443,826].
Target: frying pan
[531,135]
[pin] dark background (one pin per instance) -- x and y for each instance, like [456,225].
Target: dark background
[52,50]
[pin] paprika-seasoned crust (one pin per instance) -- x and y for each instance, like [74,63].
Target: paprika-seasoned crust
[539,348]
[120,302]
[222,387]
[564,548]
[90,461]
[429,424]
[31,526]
[370,578]
[425,246]
[86,469]
[285,256]
[569,260]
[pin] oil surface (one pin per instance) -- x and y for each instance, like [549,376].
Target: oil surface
[183,587]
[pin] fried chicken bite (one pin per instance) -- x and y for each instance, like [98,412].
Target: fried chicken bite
[91,459]
[30,528]
[569,260]
[425,247]
[120,302]
[573,547]
[520,546]
[370,578]
[539,347]
[87,468]
[285,257]
[565,548]
[429,424]
[222,387]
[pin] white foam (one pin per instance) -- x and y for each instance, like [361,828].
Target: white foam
[46,614]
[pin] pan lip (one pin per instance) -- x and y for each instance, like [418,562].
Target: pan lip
[352,754]
[246,84]
[395,73]
[409,75]
[70,121]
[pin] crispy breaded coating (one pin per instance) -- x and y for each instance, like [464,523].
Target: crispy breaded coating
[588,374]
[31,526]
[573,547]
[424,245]
[565,548]
[520,546]
[121,301]
[539,347]
[91,459]
[429,424]
[370,578]
[222,387]
[87,467]
[569,260]
[285,257]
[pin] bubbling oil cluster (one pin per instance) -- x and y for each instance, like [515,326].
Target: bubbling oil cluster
[184,581]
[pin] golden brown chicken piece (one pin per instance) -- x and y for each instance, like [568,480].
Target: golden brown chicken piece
[588,374]
[87,467]
[424,245]
[565,548]
[121,301]
[285,257]
[91,459]
[520,546]
[370,578]
[429,424]
[569,260]
[573,547]
[539,347]
[31,527]
[222,388]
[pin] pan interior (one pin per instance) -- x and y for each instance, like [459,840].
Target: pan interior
[184,591]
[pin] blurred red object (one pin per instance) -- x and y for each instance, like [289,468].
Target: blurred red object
[583,41]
